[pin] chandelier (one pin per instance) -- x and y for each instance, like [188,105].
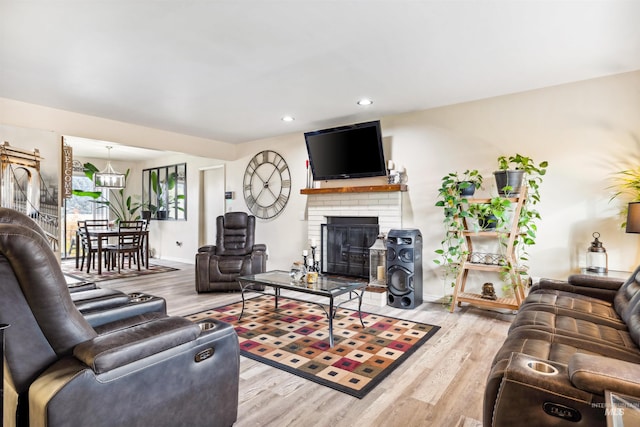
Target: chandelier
[109,178]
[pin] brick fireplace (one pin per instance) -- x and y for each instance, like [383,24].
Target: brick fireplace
[386,206]
[383,204]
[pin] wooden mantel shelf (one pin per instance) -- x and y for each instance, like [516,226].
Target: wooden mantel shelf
[360,189]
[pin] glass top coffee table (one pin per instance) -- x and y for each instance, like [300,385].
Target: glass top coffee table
[325,286]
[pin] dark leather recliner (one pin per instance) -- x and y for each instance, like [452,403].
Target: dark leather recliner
[234,254]
[149,369]
[98,306]
[570,343]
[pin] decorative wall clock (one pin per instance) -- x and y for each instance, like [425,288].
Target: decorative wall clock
[267,184]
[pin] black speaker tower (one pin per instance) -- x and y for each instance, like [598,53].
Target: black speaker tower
[404,268]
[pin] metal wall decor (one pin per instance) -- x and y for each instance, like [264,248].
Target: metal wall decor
[267,184]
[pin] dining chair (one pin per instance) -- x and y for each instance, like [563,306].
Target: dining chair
[144,242]
[129,244]
[90,244]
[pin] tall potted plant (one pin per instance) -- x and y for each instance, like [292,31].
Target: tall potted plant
[122,208]
[164,196]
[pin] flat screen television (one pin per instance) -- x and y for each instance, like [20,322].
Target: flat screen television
[353,151]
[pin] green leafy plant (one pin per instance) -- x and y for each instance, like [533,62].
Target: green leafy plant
[533,173]
[453,246]
[491,215]
[469,178]
[529,215]
[122,208]
[164,196]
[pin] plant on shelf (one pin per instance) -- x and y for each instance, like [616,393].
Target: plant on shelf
[468,182]
[490,216]
[532,177]
[514,170]
[123,209]
[453,247]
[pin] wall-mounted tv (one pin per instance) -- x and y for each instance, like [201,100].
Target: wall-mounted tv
[353,151]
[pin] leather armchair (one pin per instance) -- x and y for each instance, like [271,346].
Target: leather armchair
[149,369]
[234,254]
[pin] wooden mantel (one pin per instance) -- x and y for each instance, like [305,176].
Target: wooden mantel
[360,189]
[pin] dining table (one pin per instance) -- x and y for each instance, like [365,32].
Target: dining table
[102,234]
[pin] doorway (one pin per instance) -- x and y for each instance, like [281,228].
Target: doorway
[212,189]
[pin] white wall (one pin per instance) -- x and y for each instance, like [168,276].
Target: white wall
[586,130]
[163,235]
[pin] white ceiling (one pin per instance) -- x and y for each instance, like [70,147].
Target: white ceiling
[230,69]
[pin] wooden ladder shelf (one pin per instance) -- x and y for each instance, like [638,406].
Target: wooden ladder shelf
[492,262]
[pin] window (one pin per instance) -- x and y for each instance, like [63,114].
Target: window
[164,192]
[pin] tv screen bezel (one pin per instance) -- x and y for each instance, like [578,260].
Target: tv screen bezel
[340,129]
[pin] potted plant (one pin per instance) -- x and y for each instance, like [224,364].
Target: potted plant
[454,203]
[512,171]
[164,195]
[490,216]
[468,182]
[123,209]
[532,177]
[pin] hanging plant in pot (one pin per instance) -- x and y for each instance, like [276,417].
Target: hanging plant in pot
[452,197]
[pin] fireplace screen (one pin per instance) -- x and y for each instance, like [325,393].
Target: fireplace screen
[345,248]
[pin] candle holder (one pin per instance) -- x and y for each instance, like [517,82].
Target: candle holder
[314,265]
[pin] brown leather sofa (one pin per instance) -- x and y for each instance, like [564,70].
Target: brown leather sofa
[569,343]
[234,254]
[149,369]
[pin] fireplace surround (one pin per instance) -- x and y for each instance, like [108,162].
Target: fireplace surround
[358,206]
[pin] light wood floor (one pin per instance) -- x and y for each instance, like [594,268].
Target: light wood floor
[442,384]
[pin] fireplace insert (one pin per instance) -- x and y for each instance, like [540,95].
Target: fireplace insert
[345,245]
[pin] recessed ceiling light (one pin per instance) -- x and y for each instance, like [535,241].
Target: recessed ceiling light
[287,119]
[365,101]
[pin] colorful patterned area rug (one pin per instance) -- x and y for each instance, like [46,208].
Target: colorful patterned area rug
[295,338]
[69,269]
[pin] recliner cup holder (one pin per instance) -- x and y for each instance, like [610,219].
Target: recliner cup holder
[135,295]
[207,326]
[141,298]
[542,367]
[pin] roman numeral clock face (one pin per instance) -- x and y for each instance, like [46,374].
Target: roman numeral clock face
[267,184]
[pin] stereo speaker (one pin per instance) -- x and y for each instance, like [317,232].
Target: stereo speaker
[404,268]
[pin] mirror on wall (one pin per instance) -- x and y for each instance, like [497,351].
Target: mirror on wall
[164,192]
